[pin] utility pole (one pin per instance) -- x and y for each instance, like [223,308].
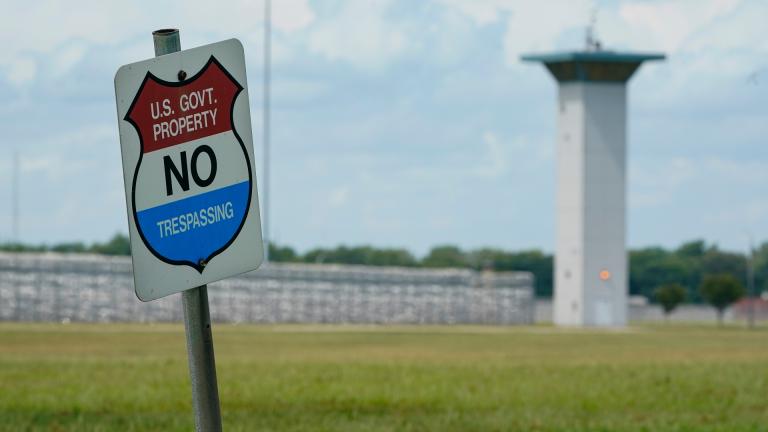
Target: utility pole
[15,199]
[267,71]
[751,285]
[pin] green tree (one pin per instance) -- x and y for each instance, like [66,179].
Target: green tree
[534,261]
[117,245]
[716,261]
[74,247]
[445,256]
[686,265]
[361,255]
[669,297]
[391,257]
[282,253]
[720,291]
[650,268]
[20,247]
[691,255]
[761,268]
[692,249]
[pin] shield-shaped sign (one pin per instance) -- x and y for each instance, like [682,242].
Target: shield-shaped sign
[187,132]
[189,181]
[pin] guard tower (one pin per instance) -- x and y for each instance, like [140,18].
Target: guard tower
[591,275]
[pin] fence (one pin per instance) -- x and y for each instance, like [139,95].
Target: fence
[87,288]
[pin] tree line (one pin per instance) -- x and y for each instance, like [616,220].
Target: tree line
[650,268]
[690,266]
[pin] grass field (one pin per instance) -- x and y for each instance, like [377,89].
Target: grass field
[284,378]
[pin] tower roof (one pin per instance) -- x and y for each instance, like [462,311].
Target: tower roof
[594,66]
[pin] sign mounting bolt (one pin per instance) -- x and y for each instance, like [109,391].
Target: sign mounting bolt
[182,75]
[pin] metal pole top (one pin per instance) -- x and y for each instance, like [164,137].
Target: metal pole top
[166,41]
[165,32]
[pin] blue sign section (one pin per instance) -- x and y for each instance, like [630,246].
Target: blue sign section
[192,229]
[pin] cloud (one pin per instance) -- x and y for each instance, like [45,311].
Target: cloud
[292,15]
[81,142]
[664,184]
[672,27]
[502,158]
[22,71]
[483,12]
[359,34]
[42,27]
[65,30]
[657,183]
[244,16]
[496,157]
[400,121]
[338,196]
[36,164]
[530,26]
[538,26]
[66,58]
[668,25]
[745,217]
[288,90]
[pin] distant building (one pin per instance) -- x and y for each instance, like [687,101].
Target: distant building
[744,307]
[591,275]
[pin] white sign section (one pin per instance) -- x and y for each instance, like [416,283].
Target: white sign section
[190,185]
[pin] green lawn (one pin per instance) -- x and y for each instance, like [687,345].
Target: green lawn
[377,378]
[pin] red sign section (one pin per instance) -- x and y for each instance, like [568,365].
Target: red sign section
[169,113]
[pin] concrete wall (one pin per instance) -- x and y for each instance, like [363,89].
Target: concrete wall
[653,313]
[55,287]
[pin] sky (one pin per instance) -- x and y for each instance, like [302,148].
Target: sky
[401,123]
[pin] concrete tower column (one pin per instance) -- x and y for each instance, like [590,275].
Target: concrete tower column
[591,271]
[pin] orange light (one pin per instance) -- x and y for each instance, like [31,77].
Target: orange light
[605,275]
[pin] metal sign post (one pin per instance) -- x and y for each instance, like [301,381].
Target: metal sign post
[197,319]
[202,364]
[190,186]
